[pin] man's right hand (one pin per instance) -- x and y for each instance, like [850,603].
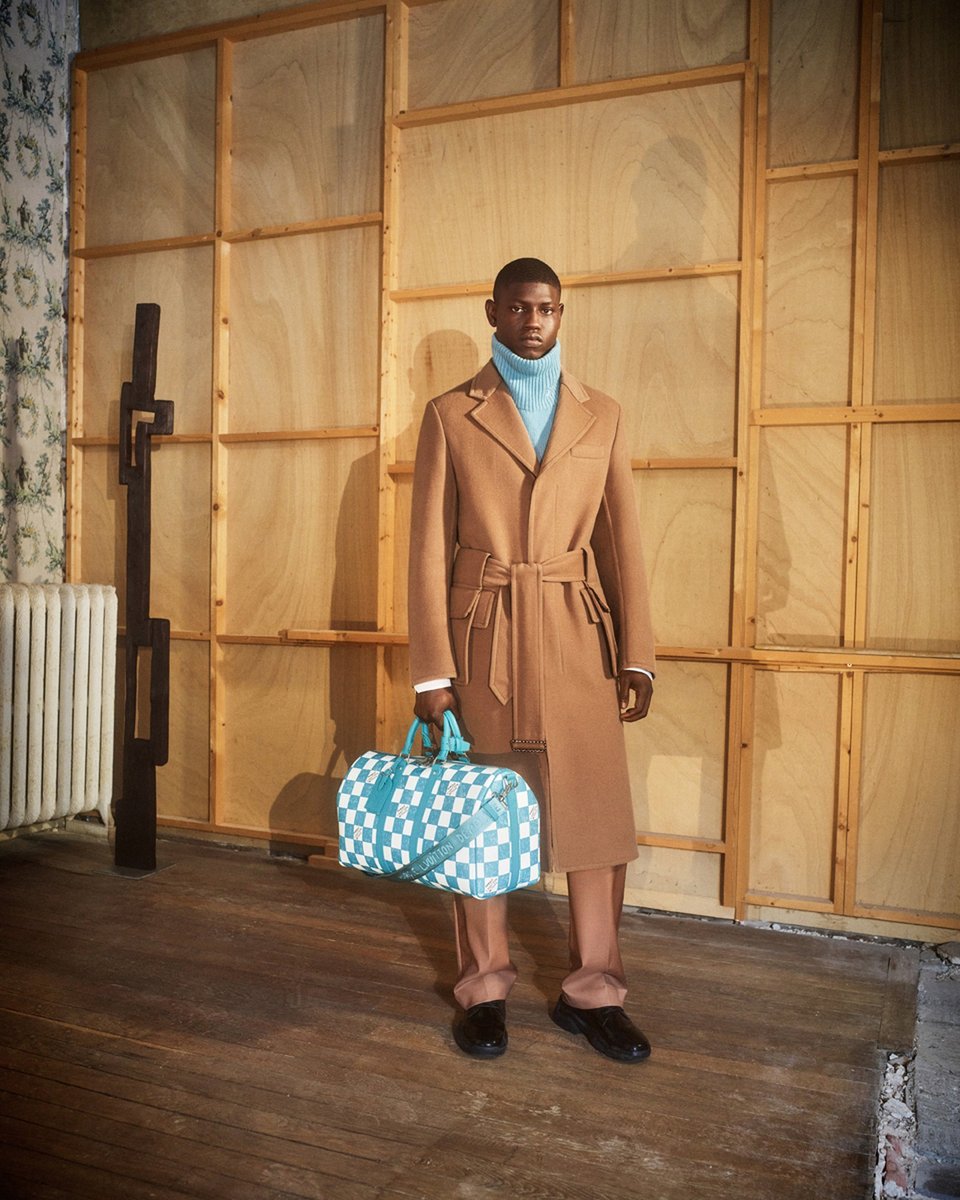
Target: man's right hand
[430,707]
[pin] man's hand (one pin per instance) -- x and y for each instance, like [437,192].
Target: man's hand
[430,707]
[642,688]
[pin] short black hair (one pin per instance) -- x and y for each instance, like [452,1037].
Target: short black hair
[525,270]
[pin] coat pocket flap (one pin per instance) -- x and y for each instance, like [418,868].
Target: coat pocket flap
[463,600]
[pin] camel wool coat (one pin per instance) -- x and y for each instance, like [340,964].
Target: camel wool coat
[527,588]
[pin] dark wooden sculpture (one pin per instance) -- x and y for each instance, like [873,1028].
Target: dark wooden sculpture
[141,418]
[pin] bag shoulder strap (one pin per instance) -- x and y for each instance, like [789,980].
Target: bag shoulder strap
[447,847]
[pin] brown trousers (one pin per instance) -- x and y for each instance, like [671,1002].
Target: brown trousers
[596,976]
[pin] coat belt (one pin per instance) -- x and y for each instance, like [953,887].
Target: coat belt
[523,648]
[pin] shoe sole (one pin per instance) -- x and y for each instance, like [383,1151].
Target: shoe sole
[570,1023]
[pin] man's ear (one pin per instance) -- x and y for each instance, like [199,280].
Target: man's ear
[490,307]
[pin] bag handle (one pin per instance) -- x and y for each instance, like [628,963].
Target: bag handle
[452,741]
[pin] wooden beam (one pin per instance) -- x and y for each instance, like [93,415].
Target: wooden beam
[868,414]
[204,36]
[613,89]
[300,435]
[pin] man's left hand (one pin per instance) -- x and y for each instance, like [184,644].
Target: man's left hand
[636,692]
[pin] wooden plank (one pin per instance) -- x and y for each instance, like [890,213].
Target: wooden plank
[299,435]
[295,228]
[395,97]
[820,170]
[865,414]
[302,1051]
[909,154]
[340,637]
[148,246]
[578,94]
[199,37]
[219,423]
[592,279]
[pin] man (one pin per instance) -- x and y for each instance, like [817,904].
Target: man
[529,619]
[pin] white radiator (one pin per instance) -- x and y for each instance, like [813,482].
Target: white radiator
[58,650]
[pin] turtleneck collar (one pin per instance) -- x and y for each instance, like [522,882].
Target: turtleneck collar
[533,382]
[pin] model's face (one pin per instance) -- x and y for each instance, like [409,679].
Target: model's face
[526,317]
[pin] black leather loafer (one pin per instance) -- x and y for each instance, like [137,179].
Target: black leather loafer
[481,1030]
[608,1030]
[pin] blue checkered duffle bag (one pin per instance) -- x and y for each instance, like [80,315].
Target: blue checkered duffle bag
[439,819]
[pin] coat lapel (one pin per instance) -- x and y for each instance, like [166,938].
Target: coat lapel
[497,414]
[571,422]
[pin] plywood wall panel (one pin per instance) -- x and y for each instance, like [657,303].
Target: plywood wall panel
[918,284]
[634,182]
[686,521]
[180,576]
[460,50]
[801,546]
[667,351]
[182,783]
[181,282]
[151,149]
[920,85]
[794,783]
[808,301]
[305,356]
[440,343]
[294,719]
[909,825]
[677,752]
[675,880]
[307,124]
[302,536]
[813,81]
[619,38]
[913,601]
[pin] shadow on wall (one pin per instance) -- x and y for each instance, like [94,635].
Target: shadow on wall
[307,802]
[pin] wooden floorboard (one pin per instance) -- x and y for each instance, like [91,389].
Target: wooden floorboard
[236,1027]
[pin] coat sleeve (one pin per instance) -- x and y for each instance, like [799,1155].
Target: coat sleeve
[433,533]
[619,557]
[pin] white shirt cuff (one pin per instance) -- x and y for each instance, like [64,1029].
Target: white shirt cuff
[642,671]
[430,685]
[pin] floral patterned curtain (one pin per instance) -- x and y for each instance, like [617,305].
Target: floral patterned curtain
[37,40]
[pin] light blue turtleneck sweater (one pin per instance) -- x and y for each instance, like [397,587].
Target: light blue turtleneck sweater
[534,384]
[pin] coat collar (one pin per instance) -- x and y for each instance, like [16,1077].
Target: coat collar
[498,415]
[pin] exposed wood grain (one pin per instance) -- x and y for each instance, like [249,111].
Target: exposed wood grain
[909,819]
[794,744]
[614,39]
[278,1035]
[307,113]
[461,51]
[913,603]
[813,80]
[150,151]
